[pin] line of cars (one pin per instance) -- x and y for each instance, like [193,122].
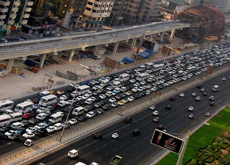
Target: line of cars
[92,98]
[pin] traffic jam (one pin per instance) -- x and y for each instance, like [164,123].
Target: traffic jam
[47,113]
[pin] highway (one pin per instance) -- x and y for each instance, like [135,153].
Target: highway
[135,150]
[50,45]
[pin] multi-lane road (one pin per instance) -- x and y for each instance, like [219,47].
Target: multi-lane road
[136,149]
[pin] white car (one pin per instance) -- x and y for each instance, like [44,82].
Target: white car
[112,100]
[89,101]
[123,89]
[194,94]
[57,126]
[109,93]
[41,116]
[63,97]
[197,98]
[191,108]
[61,113]
[79,98]
[40,126]
[115,136]
[73,153]
[135,89]
[182,95]
[190,116]
[102,96]
[153,107]
[30,129]
[61,103]
[90,114]
[10,132]
[130,98]
[50,129]
[73,121]
[85,96]
[155,113]
[28,135]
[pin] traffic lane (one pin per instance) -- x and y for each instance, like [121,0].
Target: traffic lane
[186,117]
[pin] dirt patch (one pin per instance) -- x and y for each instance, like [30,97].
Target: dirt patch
[215,162]
[225,152]
[226,134]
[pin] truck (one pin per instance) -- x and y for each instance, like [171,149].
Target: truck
[116,160]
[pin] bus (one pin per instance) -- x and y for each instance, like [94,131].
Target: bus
[124,77]
[54,118]
[24,107]
[6,104]
[44,93]
[16,116]
[215,88]
[81,90]
[5,120]
[48,100]
[142,76]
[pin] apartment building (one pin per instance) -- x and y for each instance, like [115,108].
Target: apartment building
[15,12]
[141,11]
[96,11]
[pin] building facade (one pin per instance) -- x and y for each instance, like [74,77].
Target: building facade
[15,12]
[96,11]
[141,11]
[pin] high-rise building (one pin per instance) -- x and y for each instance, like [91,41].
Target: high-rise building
[15,12]
[96,11]
[141,11]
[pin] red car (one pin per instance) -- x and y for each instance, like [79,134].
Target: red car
[26,115]
[212,103]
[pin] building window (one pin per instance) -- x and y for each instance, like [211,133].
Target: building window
[90,3]
[87,8]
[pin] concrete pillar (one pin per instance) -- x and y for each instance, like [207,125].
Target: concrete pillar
[162,36]
[115,47]
[133,43]
[10,65]
[71,56]
[140,44]
[95,50]
[172,35]
[42,60]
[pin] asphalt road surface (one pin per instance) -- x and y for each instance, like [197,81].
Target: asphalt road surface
[136,149]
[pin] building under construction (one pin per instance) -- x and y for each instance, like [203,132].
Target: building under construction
[205,21]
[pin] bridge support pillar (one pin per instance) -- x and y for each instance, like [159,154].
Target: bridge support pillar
[42,60]
[115,47]
[162,36]
[172,35]
[10,65]
[71,56]
[95,50]
[133,43]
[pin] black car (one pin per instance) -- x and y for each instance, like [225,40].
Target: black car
[160,127]
[4,129]
[82,118]
[128,120]
[136,132]
[173,98]
[199,86]
[88,108]
[97,136]
[33,121]
[70,89]
[98,98]
[97,105]
[95,93]
[168,107]
[105,107]
[40,132]
[24,123]
[118,97]
[205,93]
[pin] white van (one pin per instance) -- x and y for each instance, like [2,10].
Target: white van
[215,88]
[16,117]
[73,153]
[44,93]
[48,100]
[78,111]
[24,107]
[16,125]
[124,77]
[57,117]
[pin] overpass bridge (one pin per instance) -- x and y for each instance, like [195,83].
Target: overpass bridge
[53,45]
